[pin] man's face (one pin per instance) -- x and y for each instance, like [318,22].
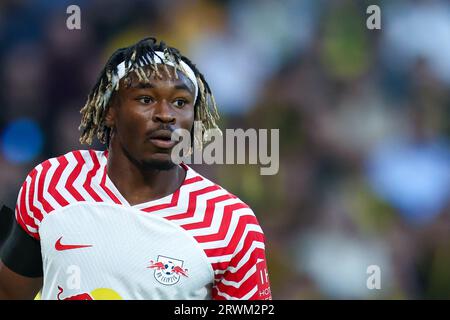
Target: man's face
[145,114]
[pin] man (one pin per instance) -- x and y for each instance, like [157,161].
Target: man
[129,223]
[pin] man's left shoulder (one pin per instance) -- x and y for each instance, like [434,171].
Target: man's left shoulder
[228,204]
[223,202]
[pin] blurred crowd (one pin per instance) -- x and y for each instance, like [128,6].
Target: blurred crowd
[363,115]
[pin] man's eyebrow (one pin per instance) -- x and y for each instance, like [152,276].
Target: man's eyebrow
[146,85]
[183,86]
[143,85]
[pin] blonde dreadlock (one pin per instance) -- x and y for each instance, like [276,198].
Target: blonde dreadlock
[94,111]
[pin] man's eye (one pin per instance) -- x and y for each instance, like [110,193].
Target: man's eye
[145,100]
[179,103]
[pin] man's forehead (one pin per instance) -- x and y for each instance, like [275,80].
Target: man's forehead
[166,73]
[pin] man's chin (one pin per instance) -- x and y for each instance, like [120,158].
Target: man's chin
[157,164]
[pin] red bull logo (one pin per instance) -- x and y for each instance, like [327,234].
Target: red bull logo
[168,271]
[81,296]
[97,294]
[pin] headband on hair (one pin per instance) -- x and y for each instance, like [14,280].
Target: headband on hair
[147,60]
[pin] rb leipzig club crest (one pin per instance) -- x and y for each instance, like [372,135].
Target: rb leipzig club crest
[168,271]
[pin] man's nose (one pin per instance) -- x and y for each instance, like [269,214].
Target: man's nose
[164,113]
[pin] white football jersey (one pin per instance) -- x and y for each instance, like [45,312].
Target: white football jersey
[201,242]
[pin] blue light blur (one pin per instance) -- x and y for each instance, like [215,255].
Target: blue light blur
[21,141]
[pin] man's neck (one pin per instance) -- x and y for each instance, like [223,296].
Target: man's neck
[138,185]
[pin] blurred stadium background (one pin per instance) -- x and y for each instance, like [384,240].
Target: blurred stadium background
[363,116]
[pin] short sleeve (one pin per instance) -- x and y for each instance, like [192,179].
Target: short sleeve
[246,277]
[27,212]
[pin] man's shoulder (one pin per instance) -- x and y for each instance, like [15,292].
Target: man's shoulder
[74,157]
[77,156]
[53,168]
[219,197]
[50,185]
[224,224]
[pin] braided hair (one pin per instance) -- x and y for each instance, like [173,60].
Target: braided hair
[95,109]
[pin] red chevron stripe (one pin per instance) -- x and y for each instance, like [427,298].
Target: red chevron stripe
[258,253]
[175,197]
[19,218]
[22,209]
[87,185]
[230,247]
[252,236]
[62,164]
[215,296]
[173,202]
[22,214]
[220,265]
[224,225]
[218,252]
[192,180]
[234,261]
[36,212]
[256,296]
[193,203]
[75,173]
[209,213]
[107,190]
[17,210]
[242,290]
[40,196]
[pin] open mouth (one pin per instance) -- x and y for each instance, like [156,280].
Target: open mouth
[162,139]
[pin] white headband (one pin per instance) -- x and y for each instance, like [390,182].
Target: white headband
[146,60]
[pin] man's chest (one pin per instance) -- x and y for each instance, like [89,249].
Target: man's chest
[87,247]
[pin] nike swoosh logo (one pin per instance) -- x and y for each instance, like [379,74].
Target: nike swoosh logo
[61,247]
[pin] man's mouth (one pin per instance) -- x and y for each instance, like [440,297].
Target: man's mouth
[162,139]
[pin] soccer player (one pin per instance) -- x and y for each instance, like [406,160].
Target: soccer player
[127,222]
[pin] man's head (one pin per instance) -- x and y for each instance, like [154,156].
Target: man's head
[145,92]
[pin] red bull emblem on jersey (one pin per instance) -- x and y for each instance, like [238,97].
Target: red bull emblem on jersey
[168,271]
[81,296]
[96,294]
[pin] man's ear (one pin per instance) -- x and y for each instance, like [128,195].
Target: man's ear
[110,116]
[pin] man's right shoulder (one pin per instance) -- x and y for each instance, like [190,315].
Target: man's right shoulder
[72,157]
[70,160]
[54,183]
[56,166]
